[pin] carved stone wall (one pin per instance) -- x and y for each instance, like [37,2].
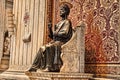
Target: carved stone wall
[49,19]
[102,32]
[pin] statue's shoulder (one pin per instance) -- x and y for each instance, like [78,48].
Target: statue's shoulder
[67,21]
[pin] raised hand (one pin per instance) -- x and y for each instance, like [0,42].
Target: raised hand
[49,25]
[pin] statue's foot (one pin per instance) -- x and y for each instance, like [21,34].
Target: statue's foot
[54,70]
[32,70]
[46,70]
[51,70]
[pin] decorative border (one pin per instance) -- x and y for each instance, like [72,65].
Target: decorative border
[103,68]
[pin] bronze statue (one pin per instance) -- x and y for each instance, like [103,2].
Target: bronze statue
[48,56]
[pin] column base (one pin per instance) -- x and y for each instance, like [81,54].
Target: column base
[13,76]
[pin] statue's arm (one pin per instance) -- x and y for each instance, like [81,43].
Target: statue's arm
[64,30]
[50,31]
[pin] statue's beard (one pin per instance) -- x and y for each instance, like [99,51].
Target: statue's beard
[63,16]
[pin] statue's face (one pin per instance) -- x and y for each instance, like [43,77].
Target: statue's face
[62,11]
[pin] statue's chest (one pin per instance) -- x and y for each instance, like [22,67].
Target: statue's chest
[59,25]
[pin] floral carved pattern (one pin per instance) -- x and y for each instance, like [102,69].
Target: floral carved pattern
[101,38]
[115,21]
[107,3]
[109,47]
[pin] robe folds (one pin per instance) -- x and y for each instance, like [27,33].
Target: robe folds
[48,55]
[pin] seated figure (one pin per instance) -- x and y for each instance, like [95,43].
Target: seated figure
[48,56]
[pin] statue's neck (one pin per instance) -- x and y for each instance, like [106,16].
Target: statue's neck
[63,18]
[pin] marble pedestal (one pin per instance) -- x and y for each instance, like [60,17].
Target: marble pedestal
[44,76]
[58,76]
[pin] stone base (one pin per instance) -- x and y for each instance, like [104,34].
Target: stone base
[58,76]
[44,76]
[103,68]
[109,76]
[13,76]
[102,79]
[4,63]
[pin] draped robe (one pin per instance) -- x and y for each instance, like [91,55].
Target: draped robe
[48,55]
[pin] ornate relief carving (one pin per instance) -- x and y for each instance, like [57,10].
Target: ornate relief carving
[114,21]
[49,20]
[107,3]
[89,5]
[99,22]
[102,31]
[106,32]
[103,69]
[109,47]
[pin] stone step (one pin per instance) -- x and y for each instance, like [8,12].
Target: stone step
[3,66]
[5,60]
[2,70]
[102,79]
[58,76]
[107,76]
[13,76]
[4,63]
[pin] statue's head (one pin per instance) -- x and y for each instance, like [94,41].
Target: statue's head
[65,9]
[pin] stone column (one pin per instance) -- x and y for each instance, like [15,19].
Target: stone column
[29,19]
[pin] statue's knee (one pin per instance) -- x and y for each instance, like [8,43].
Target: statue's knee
[42,49]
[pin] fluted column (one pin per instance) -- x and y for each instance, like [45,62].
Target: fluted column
[28,32]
